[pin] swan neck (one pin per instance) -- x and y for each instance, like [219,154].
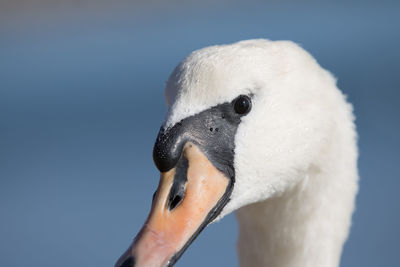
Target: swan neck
[305,227]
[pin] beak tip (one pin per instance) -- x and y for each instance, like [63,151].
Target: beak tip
[128,262]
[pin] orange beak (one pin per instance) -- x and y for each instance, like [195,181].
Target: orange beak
[175,220]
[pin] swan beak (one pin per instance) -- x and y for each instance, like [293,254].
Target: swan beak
[188,197]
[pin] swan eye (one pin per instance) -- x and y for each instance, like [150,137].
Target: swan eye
[242,104]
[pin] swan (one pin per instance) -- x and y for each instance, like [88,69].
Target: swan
[260,128]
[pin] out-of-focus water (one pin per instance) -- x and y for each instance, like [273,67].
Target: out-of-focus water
[81,102]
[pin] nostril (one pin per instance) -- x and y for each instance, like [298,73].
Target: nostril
[129,262]
[174,201]
[178,189]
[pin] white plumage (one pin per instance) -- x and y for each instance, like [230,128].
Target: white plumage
[295,152]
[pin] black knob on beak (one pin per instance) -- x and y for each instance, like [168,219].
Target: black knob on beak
[168,147]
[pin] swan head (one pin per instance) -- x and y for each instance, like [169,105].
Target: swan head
[245,122]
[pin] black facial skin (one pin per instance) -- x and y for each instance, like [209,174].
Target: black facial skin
[213,131]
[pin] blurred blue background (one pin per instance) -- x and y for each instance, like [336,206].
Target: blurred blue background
[81,102]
